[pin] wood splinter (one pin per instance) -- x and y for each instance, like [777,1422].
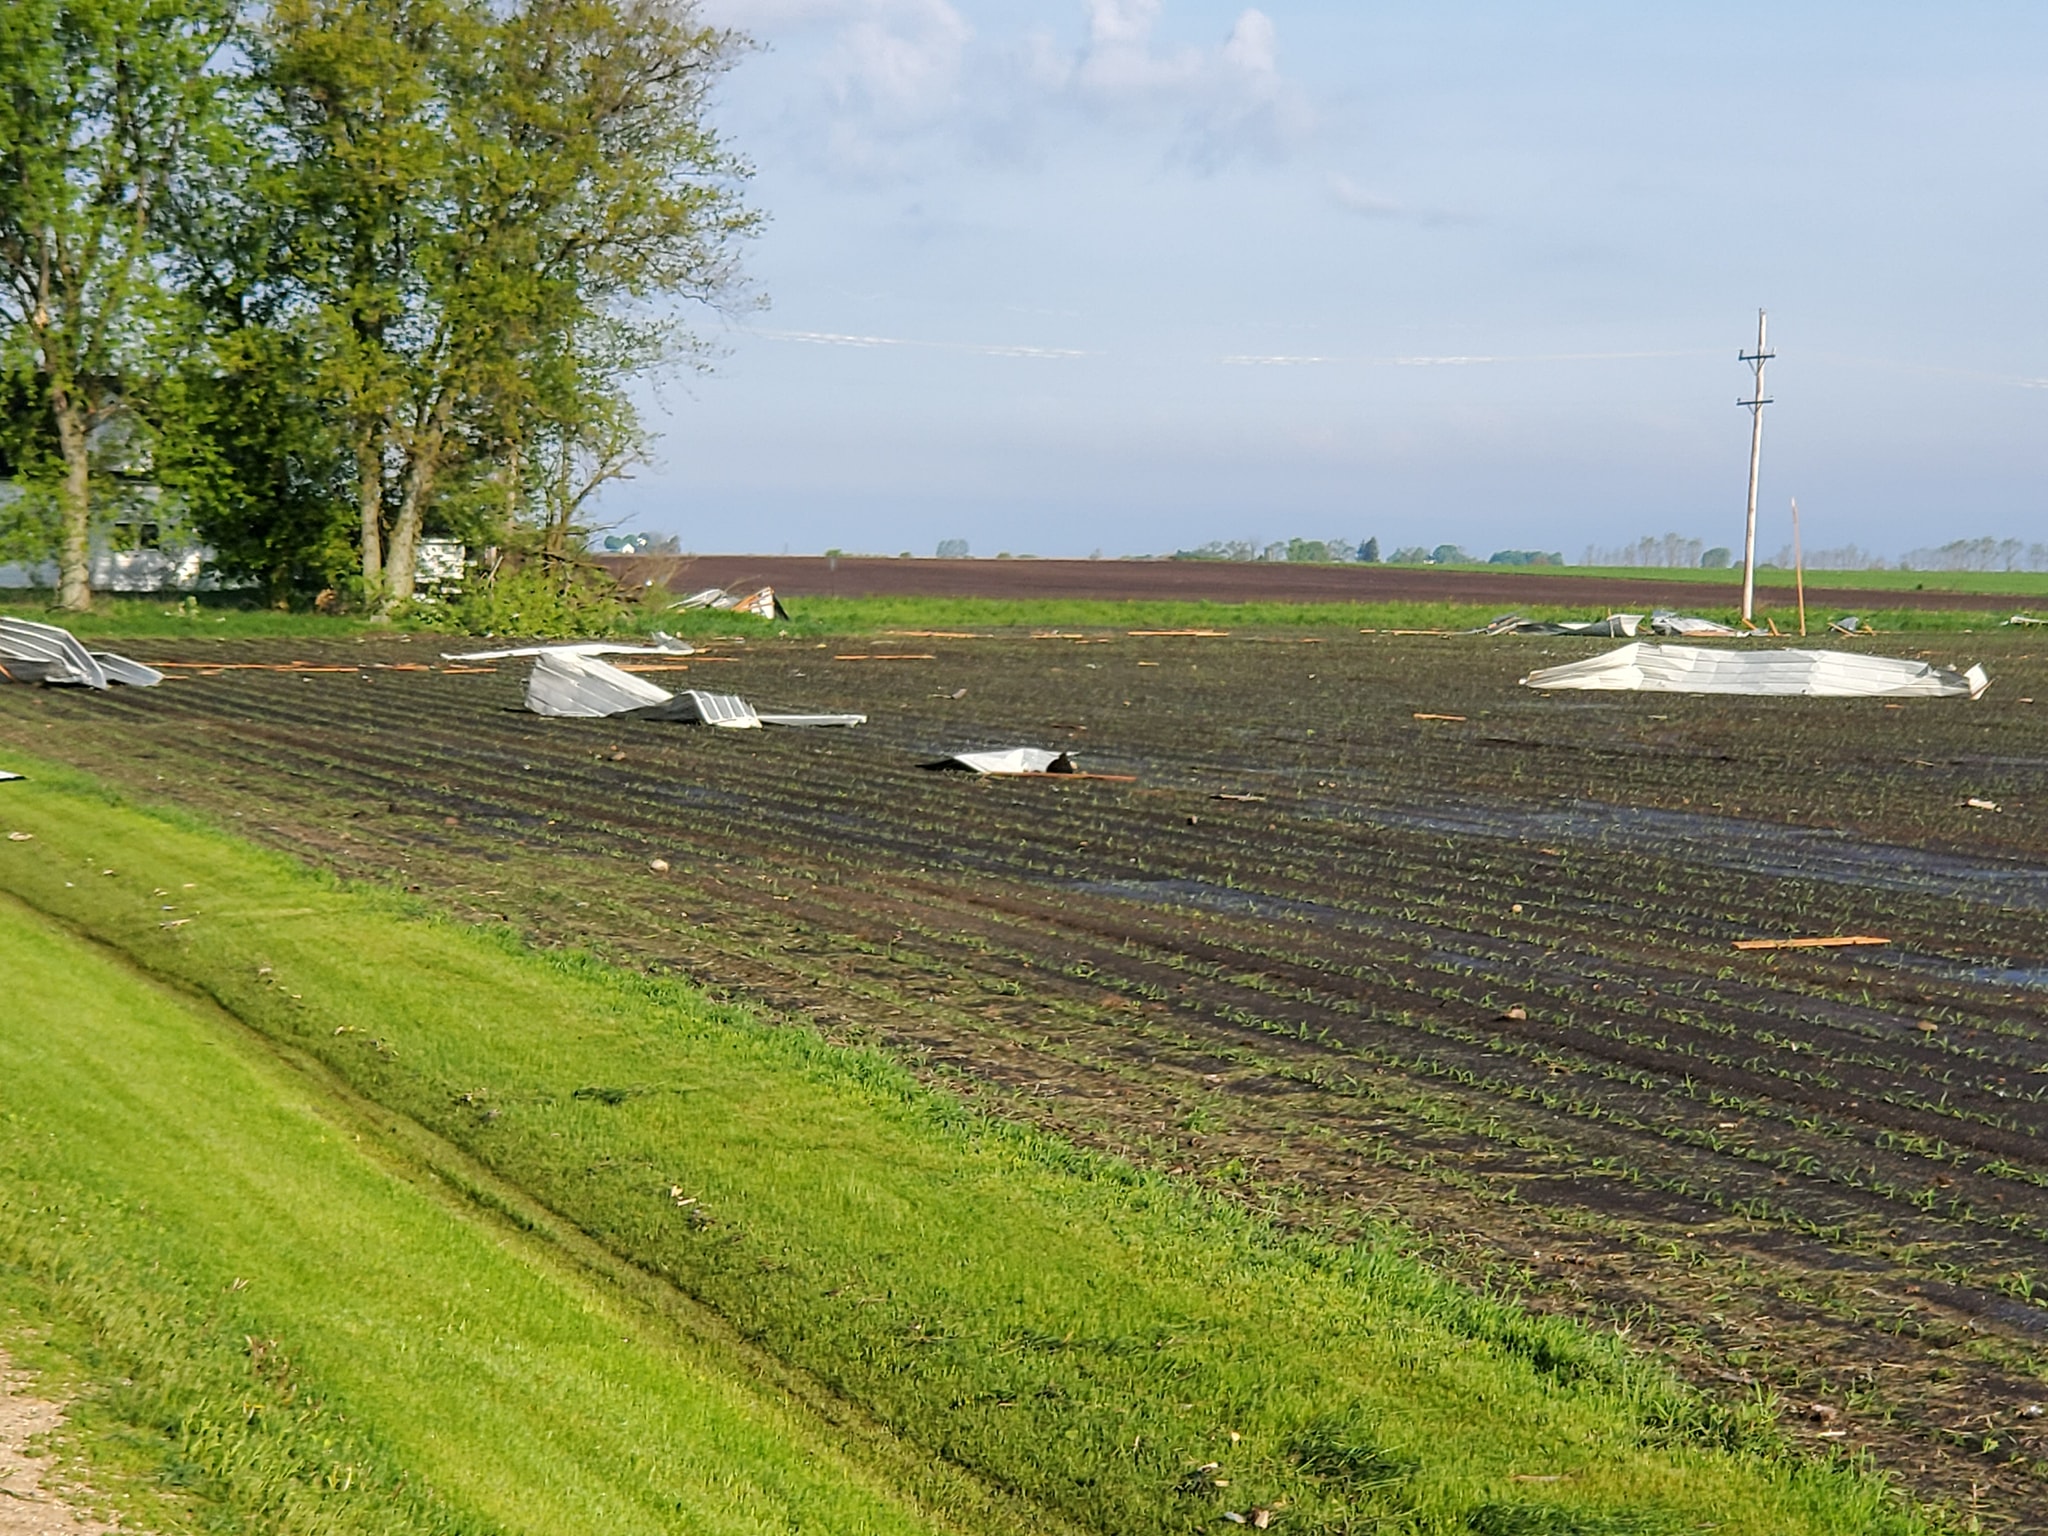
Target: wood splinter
[1837,941]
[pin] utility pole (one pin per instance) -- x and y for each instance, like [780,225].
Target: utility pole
[1756,402]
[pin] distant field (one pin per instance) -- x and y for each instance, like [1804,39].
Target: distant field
[809,578]
[139,623]
[333,1328]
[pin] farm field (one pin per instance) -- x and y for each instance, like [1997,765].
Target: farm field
[412,1227]
[809,577]
[1372,935]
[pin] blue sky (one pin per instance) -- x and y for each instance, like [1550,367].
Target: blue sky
[1130,275]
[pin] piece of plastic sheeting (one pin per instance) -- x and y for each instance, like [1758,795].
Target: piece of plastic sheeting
[1009,760]
[1665,622]
[1813,674]
[569,683]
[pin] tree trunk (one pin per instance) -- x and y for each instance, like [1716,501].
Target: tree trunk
[370,507]
[74,506]
[420,474]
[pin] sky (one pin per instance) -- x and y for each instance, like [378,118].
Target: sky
[1062,277]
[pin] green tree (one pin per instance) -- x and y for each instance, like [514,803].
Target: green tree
[102,105]
[485,200]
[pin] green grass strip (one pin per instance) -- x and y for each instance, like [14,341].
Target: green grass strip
[315,1343]
[144,622]
[1124,1352]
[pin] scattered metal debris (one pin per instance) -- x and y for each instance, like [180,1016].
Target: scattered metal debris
[1817,674]
[1848,624]
[695,707]
[43,653]
[574,683]
[569,682]
[1010,760]
[1664,622]
[5,776]
[1614,625]
[660,645]
[761,603]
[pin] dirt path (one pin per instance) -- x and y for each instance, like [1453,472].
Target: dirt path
[32,1502]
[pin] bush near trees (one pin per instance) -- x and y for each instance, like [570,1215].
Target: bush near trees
[334,276]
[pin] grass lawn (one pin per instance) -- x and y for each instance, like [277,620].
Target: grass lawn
[1114,1351]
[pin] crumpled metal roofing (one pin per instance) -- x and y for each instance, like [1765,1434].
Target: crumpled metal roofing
[1647,668]
[42,653]
[570,682]
[573,683]
[1009,760]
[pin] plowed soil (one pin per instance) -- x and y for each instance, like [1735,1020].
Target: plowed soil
[1373,932]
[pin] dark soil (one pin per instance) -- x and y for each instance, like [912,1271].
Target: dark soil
[1475,974]
[1233,581]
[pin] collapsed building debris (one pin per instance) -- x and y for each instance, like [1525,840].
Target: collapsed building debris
[761,603]
[42,653]
[1646,668]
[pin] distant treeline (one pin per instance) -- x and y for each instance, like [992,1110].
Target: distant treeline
[1365,552]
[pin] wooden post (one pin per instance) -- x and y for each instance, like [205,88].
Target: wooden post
[1798,566]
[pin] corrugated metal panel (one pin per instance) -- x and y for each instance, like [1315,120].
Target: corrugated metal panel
[1813,674]
[570,684]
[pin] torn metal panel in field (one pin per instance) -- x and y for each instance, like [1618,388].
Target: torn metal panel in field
[5,776]
[1614,626]
[693,706]
[574,684]
[1009,760]
[43,653]
[664,645]
[1664,622]
[1814,674]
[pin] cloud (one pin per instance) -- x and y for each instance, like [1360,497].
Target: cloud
[899,60]
[894,81]
[1370,205]
[1221,99]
